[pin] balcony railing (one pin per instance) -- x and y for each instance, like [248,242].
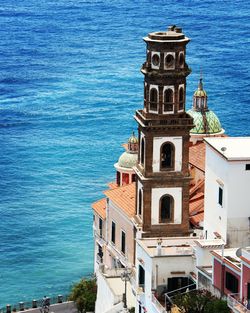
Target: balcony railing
[158,305]
[235,305]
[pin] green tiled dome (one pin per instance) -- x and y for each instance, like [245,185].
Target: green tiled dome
[128,160]
[213,123]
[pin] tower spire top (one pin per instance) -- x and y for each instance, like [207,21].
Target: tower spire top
[200,85]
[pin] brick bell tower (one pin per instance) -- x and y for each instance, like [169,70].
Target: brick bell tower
[163,125]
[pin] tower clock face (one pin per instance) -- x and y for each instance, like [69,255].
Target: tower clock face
[156,59]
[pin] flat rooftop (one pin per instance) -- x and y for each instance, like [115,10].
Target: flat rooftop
[168,247]
[231,148]
[230,256]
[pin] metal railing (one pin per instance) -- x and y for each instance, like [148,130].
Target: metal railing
[235,305]
[158,305]
[22,306]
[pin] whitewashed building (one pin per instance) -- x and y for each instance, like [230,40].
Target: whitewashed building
[227,190]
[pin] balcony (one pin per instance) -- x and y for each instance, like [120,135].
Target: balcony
[234,304]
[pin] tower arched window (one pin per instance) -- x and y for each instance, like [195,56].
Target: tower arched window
[168,100]
[166,214]
[142,151]
[140,203]
[181,59]
[169,61]
[167,156]
[153,99]
[181,98]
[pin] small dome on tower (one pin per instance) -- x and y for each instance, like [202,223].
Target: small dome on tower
[133,139]
[206,121]
[133,144]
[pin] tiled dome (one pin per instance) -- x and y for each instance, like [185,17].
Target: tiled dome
[213,124]
[127,160]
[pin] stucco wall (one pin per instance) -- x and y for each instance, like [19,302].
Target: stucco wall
[230,219]
[123,223]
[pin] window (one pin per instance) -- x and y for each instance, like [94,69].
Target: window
[140,202]
[167,156]
[142,151]
[153,99]
[118,178]
[133,178]
[247,167]
[141,277]
[169,61]
[100,227]
[113,232]
[181,99]
[168,100]
[166,209]
[220,198]
[123,242]
[181,59]
[156,60]
[232,283]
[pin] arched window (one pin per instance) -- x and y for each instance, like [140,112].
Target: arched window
[167,156]
[169,61]
[140,202]
[142,151]
[181,98]
[181,59]
[168,100]
[166,213]
[153,99]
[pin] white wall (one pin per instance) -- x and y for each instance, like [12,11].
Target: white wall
[157,143]
[157,193]
[231,219]
[105,298]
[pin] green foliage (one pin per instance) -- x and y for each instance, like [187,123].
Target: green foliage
[200,301]
[132,310]
[84,295]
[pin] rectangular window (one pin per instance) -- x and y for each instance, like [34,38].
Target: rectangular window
[247,167]
[123,242]
[113,232]
[141,277]
[220,198]
[100,227]
[232,283]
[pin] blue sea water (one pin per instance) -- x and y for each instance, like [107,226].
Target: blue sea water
[70,82]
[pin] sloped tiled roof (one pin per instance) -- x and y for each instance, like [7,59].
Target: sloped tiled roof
[196,203]
[124,198]
[197,155]
[100,207]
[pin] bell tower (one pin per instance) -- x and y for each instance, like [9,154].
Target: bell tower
[163,126]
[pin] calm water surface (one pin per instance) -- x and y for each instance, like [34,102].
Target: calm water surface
[69,84]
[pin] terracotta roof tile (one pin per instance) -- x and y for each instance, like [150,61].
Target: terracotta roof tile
[196,219]
[124,198]
[197,155]
[112,185]
[100,207]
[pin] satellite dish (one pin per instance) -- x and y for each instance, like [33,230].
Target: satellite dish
[239,252]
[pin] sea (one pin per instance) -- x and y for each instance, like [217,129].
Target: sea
[70,83]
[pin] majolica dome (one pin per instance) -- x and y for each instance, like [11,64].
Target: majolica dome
[127,160]
[205,120]
[211,126]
